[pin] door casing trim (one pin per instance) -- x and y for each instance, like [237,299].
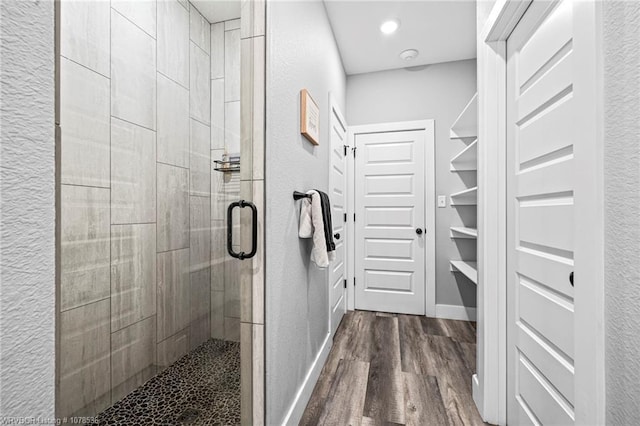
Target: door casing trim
[490,383]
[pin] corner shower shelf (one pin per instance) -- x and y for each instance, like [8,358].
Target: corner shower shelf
[468,197]
[466,125]
[460,232]
[226,166]
[466,160]
[467,268]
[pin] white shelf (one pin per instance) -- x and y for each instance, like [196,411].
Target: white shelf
[468,197]
[466,125]
[467,268]
[460,232]
[467,159]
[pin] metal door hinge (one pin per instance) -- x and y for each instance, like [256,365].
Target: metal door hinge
[354,281]
[346,147]
[354,217]
[345,217]
[345,283]
[354,151]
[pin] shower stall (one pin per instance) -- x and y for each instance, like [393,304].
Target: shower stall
[152,294]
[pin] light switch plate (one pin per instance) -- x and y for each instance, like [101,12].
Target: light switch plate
[442,201]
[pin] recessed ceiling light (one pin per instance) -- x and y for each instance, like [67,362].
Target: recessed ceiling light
[409,54]
[390,26]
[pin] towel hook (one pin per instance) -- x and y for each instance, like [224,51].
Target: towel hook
[298,195]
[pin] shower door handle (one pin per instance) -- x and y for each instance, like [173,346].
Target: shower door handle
[254,229]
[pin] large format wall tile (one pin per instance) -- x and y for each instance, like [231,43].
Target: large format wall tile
[199,90]
[140,12]
[218,254]
[218,207]
[84,33]
[84,360]
[133,274]
[84,246]
[172,348]
[173,207]
[200,307]
[232,287]
[252,14]
[173,292]
[217,314]
[233,24]
[133,73]
[200,240]
[200,165]
[173,41]
[232,65]
[173,122]
[232,127]
[133,357]
[84,119]
[217,113]
[133,167]
[200,29]
[217,50]
[232,329]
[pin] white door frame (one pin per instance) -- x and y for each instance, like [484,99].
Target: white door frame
[489,385]
[429,199]
[335,108]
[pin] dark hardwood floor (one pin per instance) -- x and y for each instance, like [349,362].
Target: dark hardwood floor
[386,369]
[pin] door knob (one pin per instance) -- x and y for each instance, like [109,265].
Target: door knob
[419,231]
[336,236]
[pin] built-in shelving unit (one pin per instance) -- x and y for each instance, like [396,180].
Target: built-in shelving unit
[468,197]
[467,160]
[468,268]
[466,125]
[461,232]
[465,128]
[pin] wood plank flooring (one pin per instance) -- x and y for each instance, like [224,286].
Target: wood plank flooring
[387,369]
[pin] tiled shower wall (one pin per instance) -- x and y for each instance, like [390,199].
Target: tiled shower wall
[136,205]
[225,137]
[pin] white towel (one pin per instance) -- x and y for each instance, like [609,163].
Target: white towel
[312,226]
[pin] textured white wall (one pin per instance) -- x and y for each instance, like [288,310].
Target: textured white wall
[27,215]
[437,92]
[622,210]
[301,54]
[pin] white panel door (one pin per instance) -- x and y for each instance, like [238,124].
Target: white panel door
[541,216]
[337,269]
[390,222]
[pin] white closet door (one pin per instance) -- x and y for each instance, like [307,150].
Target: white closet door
[540,216]
[390,222]
[337,290]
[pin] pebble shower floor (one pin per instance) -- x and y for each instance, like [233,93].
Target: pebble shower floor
[201,388]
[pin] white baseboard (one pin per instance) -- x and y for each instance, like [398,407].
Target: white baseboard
[306,389]
[455,312]
[477,394]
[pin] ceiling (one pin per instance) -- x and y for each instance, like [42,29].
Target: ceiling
[218,10]
[440,30]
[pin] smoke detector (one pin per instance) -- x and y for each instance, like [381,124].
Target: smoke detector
[409,54]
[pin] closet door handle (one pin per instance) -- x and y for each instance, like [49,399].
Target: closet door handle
[336,236]
[254,229]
